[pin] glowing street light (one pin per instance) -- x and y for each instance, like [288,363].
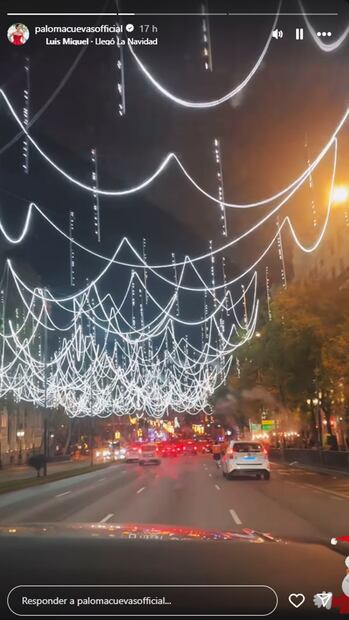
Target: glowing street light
[340,194]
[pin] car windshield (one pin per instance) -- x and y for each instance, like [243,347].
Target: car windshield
[248,447]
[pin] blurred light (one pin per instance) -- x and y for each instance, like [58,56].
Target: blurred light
[340,194]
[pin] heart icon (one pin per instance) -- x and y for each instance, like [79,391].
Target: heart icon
[296,599]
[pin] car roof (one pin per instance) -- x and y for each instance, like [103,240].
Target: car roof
[246,441]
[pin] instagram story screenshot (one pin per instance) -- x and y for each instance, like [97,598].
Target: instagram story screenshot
[174,308]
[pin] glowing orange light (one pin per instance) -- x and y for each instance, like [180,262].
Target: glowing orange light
[340,194]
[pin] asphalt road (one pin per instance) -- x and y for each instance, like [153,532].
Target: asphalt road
[190,491]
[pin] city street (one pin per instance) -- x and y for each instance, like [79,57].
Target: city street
[190,491]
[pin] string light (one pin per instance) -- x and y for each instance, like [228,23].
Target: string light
[120,67]
[26,112]
[281,255]
[154,269]
[206,37]
[220,182]
[311,187]
[224,282]
[215,102]
[181,378]
[71,248]
[325,47]
[145,274]
[96,210]
[267,288]
[172,156]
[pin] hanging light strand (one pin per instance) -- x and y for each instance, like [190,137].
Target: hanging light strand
[281,256]
[26,111]
[173,257]
[96,209]
[206,37]
[72,247]
[311,185]
[145,275]
[267,287]
[120,66]
[220,182]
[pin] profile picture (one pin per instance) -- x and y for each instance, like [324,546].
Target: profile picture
[18,34]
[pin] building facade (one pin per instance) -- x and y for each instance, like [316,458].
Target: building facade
[21,432]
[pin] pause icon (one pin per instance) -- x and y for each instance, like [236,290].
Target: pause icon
[299,33]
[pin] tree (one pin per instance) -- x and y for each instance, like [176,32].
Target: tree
[303,350]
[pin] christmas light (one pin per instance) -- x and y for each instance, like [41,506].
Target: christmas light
[206,37]
[71,248]
[325,47]
[267,288]
[26,112]
[220,183]
[215,102]
[168,159]
[96,210]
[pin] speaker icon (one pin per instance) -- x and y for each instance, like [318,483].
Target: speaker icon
[277,34]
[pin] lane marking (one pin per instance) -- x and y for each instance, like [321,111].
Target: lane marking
[235,517]
[140,490]
[101,479]
[65,493]
[217,487]
[107,517]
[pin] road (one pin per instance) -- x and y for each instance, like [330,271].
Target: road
[190,491]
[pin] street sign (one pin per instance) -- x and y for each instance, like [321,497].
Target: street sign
[268,425]
[255,428]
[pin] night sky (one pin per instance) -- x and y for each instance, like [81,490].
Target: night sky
[299,91]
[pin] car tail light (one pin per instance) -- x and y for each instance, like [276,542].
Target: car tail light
[265,451]
[139,450]
[230,452]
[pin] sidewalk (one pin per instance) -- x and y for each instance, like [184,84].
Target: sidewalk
[20,472]
[315,468]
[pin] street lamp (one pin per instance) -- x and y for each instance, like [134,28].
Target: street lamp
[20,435]
[315,402]
[340,194]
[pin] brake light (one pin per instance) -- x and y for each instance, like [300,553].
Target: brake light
[265,451]
[230,452]
[139,450]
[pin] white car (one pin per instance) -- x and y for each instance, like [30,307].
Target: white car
[246,457]
[132,454]
[149,454]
